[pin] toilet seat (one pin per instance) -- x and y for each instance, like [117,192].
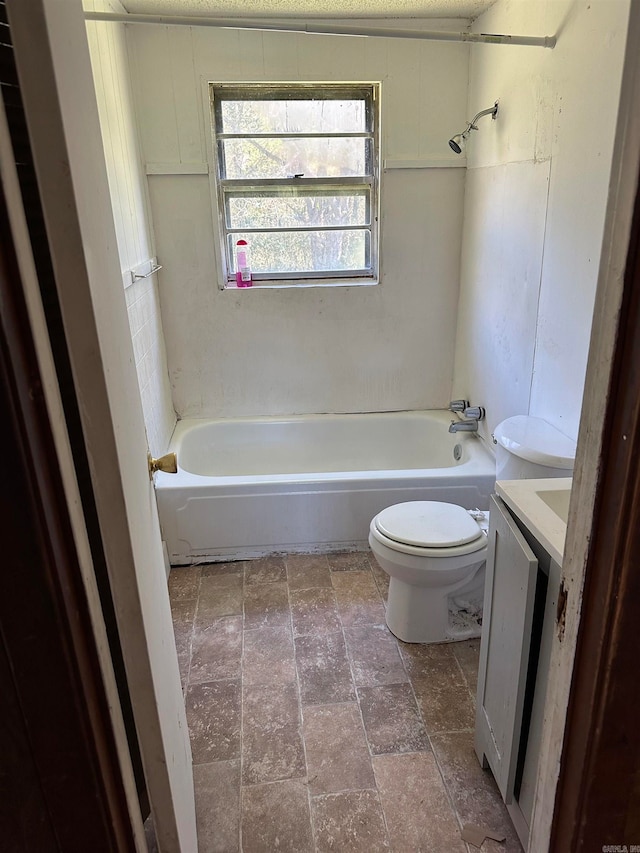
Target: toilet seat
[428,529]
[459,551]
[428,524]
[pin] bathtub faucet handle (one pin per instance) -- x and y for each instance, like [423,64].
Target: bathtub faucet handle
[167,463]
[458,405]
[475,413]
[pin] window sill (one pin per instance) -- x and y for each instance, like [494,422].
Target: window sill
[303,285]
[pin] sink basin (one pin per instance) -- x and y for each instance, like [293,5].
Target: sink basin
[558,501]
[543,505]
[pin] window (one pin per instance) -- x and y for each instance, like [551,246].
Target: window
[296,178]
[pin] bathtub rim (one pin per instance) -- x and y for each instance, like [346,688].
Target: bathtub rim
[481,461]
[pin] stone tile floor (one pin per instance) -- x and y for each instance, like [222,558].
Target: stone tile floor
[312,727]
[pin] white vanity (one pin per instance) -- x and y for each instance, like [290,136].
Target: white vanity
[526,542]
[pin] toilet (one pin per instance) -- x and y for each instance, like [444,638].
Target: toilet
[435,552]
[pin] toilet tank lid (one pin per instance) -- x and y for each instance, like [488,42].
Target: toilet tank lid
[536,440]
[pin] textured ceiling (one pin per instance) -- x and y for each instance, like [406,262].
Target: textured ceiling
[313,8]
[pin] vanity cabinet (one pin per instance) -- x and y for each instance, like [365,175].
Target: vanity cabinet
[521,590]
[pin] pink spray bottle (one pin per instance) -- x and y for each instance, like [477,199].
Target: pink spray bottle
[243,266]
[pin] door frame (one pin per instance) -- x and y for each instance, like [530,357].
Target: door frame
[563,804]
[588,680]
[56,81]
[598,799]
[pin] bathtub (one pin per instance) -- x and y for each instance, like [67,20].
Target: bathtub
[310,483]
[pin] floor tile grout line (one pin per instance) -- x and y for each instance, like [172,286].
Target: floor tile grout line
[430,737]
[472,693]
[462,672]
[371,756]
[383,588]
[382,811]
[342,791]
[241,786]
[410,681]
[239,803]
[452,732]
[300,713]
[249,785]
[445,787]
[187,682]
[353,682]
[332,702]
[438,764]
[449,794]
[364,729]
[301,779]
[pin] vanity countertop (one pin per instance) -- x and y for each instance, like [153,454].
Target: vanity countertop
[543,506]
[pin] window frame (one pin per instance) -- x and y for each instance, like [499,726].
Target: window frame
[223,187]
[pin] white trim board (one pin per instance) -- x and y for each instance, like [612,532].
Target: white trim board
[177,168]
[448,163]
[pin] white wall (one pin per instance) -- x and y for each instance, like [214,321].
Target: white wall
[127,185]
[535,202]
[283,351]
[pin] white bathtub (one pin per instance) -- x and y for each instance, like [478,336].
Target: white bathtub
[310,483]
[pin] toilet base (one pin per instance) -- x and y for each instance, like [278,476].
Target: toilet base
[421,614]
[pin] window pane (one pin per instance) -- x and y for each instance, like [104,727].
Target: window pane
[282,158]
[294,116]
[310,251]
[292,210]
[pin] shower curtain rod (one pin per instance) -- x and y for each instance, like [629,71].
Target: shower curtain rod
[320,29]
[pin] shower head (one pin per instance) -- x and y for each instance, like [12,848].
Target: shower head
[457,142]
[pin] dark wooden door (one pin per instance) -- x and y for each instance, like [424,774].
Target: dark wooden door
[60,783]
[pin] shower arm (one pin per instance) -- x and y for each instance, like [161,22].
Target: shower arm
[456,143]
[493,111]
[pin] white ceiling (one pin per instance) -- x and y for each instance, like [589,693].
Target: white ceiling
[468,9]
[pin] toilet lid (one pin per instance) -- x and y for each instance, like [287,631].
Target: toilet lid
[428,524]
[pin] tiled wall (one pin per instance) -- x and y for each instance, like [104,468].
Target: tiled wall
[134,232]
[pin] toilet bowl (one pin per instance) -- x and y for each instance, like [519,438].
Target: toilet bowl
[432,551]
[435,552]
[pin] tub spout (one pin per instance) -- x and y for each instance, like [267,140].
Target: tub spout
[463,426]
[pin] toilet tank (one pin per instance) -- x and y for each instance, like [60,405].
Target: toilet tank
[530,448]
